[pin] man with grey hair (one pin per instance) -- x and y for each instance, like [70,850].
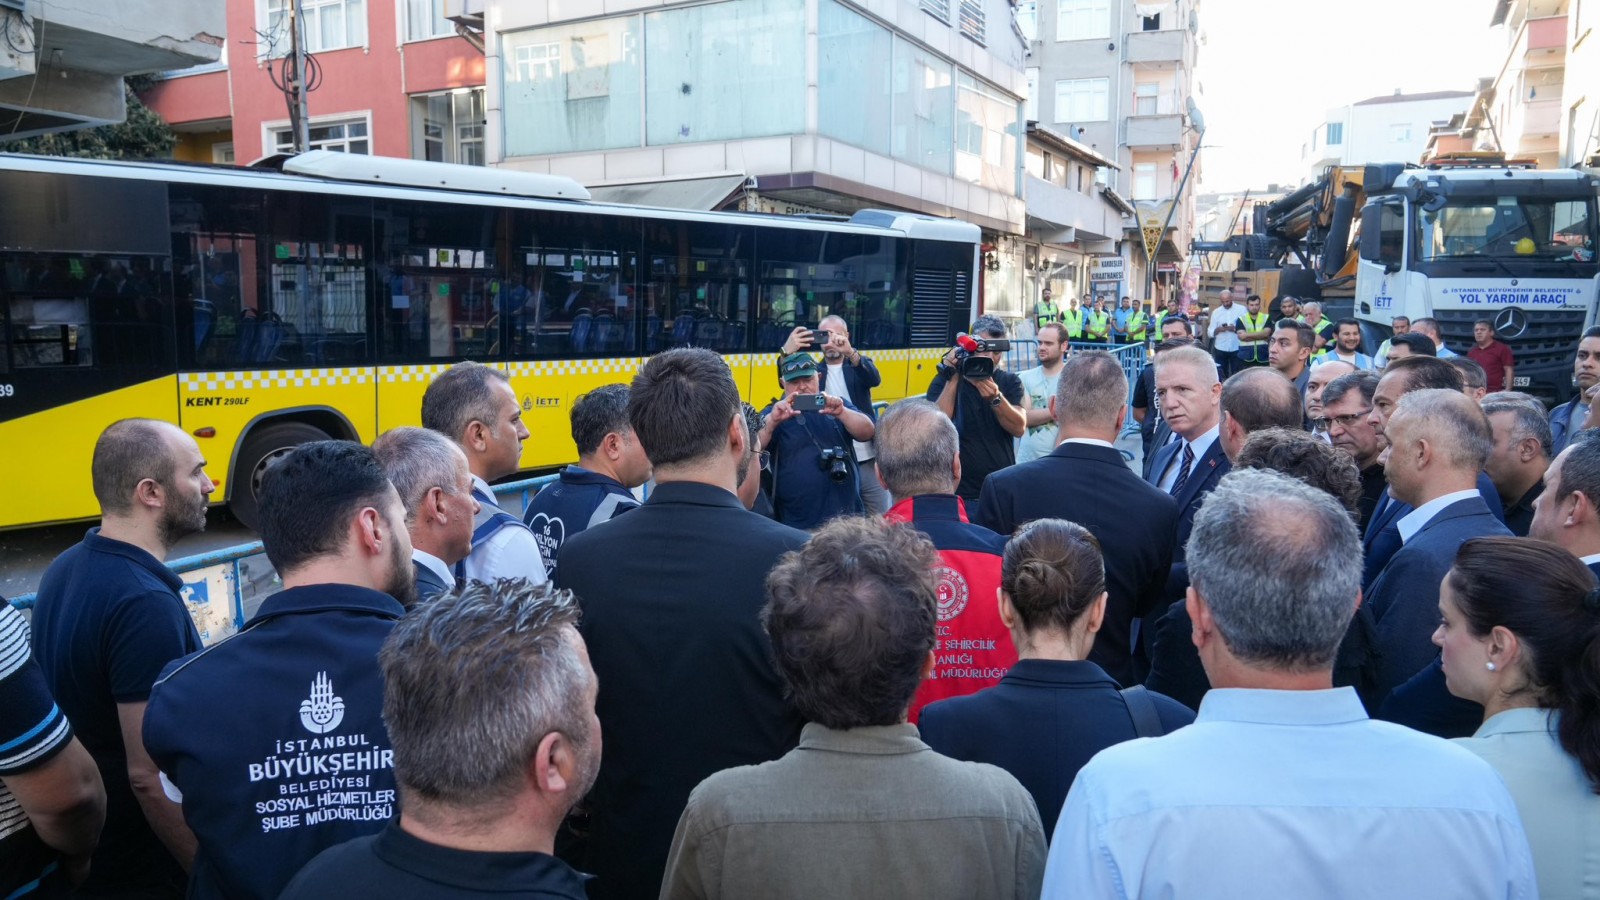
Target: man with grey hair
[1188,469]
[430,473]
[475,406]
[987,411]
[919,461]
[1522,445]
[1346,406]
[1283,781]
[1429,328]
[1320,325]
[489,699]
[1085,480]
[1438,443]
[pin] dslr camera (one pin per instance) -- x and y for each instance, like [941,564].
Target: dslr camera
[968,364]
[834,461]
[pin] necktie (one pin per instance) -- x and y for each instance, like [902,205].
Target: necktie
[1183,469]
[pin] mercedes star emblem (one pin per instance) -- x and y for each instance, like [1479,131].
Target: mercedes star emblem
[1511,323]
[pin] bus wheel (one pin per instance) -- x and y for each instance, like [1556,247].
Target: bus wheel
[261,449]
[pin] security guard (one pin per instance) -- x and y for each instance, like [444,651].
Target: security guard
[1255,333]
[1098,327]
[1045,312]
[1138,325]
[275,737]
[1171,309]
[1072,318]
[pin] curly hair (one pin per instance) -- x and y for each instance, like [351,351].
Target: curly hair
[1302,456]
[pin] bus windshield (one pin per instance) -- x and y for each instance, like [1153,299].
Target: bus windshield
[1509,227]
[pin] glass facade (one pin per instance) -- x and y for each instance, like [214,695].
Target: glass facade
[734,70]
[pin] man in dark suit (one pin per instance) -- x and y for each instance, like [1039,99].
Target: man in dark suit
[1253,400]
[1188,468]
[671,596]
[1438,443]
[1086,481]
[429,472]
[1400,377]
[1520,456]
[1567,514]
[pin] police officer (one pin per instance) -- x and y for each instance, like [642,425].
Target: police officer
[1045,312]
[275,737]
[611,463]
[813,470]
[1255,331]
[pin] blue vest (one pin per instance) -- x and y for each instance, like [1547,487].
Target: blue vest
[576,503]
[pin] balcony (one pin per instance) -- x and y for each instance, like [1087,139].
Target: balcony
[1163,132]
[1542,42]
[1159,48]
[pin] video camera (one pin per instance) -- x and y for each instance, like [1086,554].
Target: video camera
[972,366]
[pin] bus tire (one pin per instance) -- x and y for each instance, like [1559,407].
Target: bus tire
[263,447]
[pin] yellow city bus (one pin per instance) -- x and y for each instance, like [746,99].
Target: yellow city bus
[315,296]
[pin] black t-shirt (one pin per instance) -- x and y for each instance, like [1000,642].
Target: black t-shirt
[107,620]
[1144,397]
[985,445]
[397,866]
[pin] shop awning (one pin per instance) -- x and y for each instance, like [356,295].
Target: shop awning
[683,193]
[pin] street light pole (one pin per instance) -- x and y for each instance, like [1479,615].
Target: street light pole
[1199,123]
[297,51]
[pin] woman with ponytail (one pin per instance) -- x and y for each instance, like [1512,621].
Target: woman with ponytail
[1519,632]
[1054,709]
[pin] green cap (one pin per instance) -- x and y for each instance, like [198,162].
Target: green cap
[797,365]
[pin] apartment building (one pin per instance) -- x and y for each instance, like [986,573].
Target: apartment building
[62,64]
[1388,128]
[1117,76]
[390,77]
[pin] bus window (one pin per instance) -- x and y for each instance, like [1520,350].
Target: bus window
[318,278]
[215,246]
[441,280]
[697,286]
[85,310]
[576,291]
[808,275]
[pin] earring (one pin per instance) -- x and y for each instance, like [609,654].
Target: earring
[1489,666]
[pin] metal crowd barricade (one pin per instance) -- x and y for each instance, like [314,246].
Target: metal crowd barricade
[224,588]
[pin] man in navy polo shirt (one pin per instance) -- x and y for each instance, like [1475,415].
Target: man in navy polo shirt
[598,489]
[489,697]
[429,472]
[273,740]
[813,467]
[108,618]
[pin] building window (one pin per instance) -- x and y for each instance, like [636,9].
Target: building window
[972,21]
[448,127]
[1335,134]
[725,71]
[1145,99]
[1027,17]
[342,136]
[1400,132]
[222,153]
[425,19]
[326,24]
[1082,20]
[1083,100]
[1150,23]
[1144,181]
[574,87]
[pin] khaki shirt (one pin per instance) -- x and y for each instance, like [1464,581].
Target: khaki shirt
[868,812]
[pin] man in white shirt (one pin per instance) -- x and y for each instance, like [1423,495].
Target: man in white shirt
[1439,442]
[1038,386]
[429,472]
[474,405]
[1227,320]
[1283,787]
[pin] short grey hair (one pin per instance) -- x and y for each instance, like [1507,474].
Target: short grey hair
[1279,564]
[834,317]
[417,460]
[460,396]
[989,326]
[1092,389]
[915,447]
[1189,356]
[1451,422]
[473,680]
[1530,422]
[1310,305]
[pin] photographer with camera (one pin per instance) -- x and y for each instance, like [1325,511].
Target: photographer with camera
[812,476]
[984,400]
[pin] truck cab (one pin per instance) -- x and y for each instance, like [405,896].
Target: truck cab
[1483,239]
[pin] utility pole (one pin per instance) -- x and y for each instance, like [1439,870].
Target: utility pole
[297,78]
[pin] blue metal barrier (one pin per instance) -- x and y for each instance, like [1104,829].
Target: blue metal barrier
[249,583]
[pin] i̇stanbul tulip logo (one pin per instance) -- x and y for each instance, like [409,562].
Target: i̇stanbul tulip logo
[322,711]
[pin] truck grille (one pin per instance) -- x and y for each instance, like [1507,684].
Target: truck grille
[1551,337]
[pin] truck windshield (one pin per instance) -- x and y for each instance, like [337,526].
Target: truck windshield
[1509,227]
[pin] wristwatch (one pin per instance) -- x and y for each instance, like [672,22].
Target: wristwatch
[996,400]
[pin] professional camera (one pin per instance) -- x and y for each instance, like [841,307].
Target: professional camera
[971,366]
[835,463]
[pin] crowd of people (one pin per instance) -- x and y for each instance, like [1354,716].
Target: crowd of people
[961,648]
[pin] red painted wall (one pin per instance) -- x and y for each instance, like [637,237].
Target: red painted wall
[375,79]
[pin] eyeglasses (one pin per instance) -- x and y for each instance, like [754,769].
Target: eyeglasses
[1346,421]
[766,460]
